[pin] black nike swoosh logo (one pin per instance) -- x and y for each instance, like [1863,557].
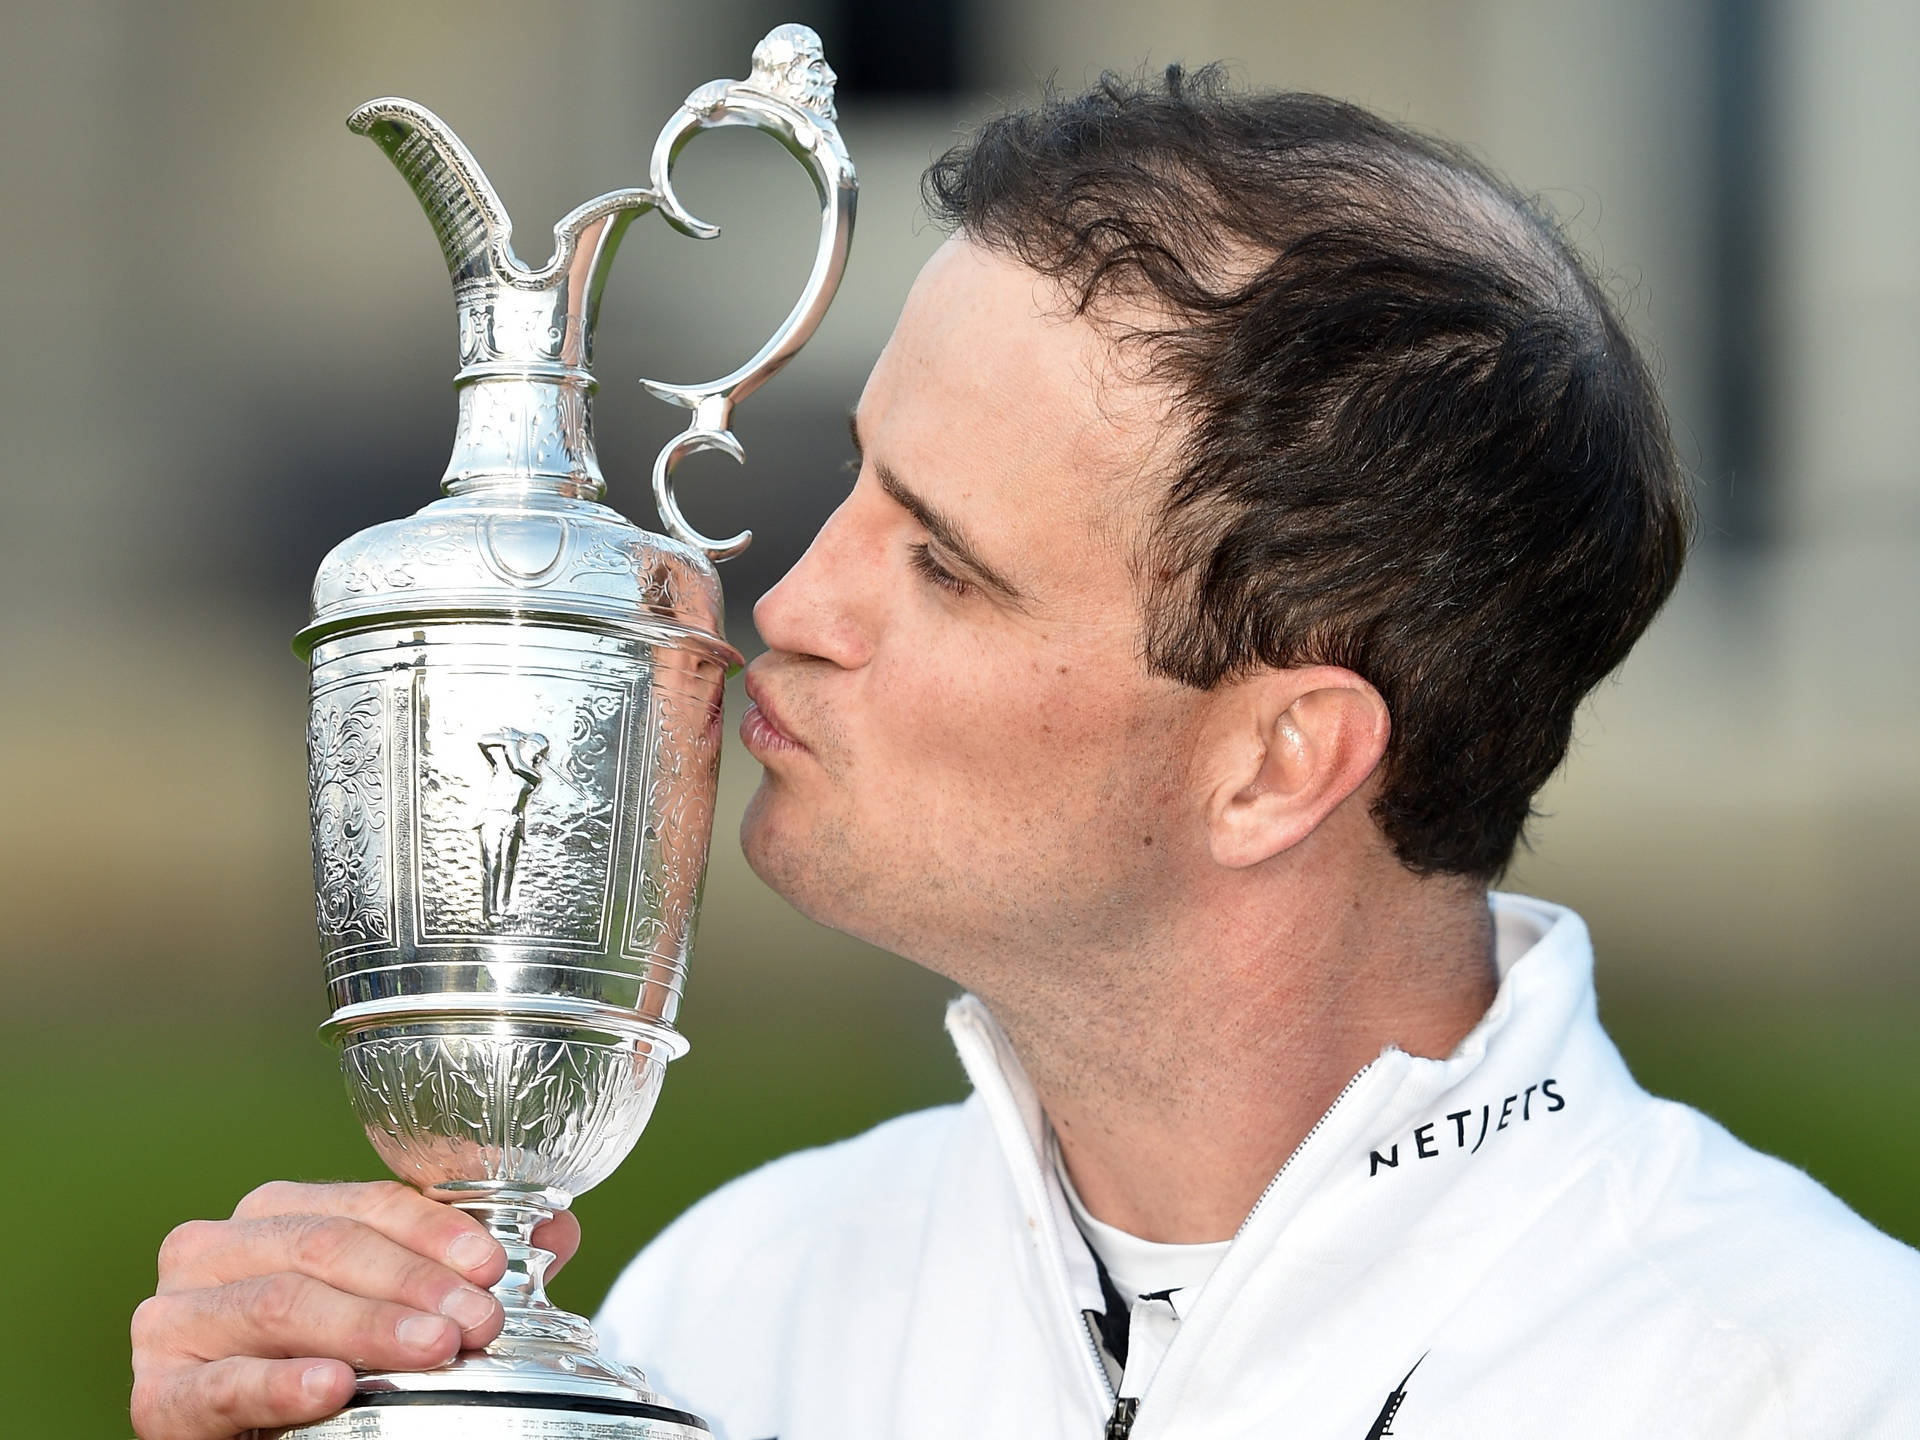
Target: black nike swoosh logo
[1383,1423]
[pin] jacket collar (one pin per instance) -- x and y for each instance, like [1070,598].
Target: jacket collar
[1415,1152]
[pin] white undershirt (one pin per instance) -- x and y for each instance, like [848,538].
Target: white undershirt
[1140,1268]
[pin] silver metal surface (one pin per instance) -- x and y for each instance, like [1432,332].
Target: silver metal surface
[495,1422]
[790,96]
[513,743]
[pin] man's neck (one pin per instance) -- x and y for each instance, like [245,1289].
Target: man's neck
[1176,1097]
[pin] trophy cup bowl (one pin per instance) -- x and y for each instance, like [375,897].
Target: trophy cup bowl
[513,747]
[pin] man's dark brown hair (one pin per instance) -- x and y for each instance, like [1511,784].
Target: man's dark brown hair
[1417,441]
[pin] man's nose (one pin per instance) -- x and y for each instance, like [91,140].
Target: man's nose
[823,606]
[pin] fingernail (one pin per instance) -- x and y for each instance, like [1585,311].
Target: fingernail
[470,1251]
[317,1383]
[421,1332]
[467,1307]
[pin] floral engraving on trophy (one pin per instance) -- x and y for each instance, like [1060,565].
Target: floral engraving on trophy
[493,1107]
[562,441]
[517,777]
[539,333]
[638,557]
[489,425]
[347,793]
[361,570]
[677,825]
[476,326]
[505,432]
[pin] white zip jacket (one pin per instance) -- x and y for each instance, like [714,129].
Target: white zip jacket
[1535,1244]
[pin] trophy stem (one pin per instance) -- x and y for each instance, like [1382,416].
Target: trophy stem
[522,1291]
[541,1349]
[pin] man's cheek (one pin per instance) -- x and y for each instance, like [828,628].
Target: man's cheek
[1030,729]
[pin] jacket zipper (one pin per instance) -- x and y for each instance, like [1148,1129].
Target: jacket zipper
[1100,1369]
[1305,1140]
[1120,1422]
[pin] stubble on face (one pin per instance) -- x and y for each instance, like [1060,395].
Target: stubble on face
[990,787]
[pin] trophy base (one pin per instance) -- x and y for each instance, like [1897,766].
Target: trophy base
[487,1415]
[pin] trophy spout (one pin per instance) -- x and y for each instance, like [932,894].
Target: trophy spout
[470,222]
[526,334]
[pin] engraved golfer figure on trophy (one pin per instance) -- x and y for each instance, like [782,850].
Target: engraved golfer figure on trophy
[514,747]
[515,757]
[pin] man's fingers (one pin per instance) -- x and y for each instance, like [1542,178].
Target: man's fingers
[233,1396]
[397,1211]
[348,1255]
[287,1316]
[561,1235]
[261,1320]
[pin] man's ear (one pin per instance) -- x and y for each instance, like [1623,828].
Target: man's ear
[1287,748]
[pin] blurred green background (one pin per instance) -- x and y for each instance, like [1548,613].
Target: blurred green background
[228,342]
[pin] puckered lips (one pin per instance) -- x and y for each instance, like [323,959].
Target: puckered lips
[761,728]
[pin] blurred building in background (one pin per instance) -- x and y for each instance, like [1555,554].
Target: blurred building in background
[228,343]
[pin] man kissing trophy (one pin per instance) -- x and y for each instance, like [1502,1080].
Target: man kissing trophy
[513,747]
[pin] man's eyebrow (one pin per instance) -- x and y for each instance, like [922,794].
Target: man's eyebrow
[945,531]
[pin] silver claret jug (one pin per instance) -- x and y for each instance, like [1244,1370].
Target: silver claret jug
[513,746]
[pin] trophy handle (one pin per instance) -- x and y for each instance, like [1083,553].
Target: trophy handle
[790,97]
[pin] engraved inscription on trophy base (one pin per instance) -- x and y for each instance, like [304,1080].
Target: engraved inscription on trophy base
[476,1417]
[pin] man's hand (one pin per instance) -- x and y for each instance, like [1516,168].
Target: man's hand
[261,1320]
